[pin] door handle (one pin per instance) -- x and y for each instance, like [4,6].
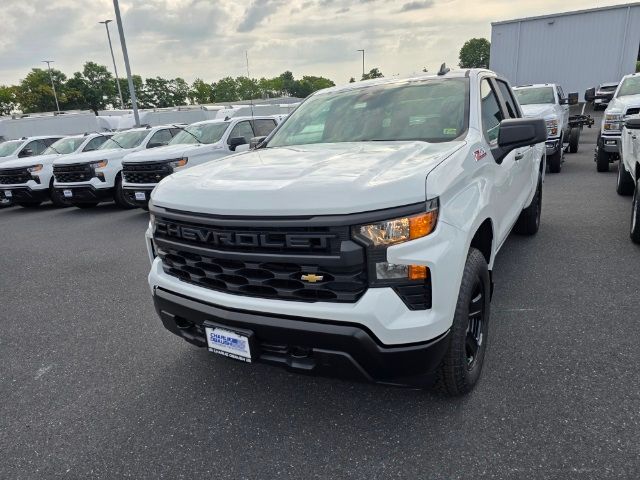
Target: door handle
[519,156]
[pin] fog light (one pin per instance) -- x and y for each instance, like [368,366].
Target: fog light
[387,271]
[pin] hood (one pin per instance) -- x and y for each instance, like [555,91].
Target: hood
[622,103]
[167,152]
[28,161]
[94,156]
[315,179]
[538,110]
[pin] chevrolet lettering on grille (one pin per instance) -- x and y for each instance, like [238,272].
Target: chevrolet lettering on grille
[311,241]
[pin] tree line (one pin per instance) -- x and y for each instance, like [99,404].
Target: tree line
[94,88]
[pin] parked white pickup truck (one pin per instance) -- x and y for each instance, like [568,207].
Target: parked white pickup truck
[548,101]
[359,238]
[28,181]
[629,171]
[196,144]
[625,103]
[88,178]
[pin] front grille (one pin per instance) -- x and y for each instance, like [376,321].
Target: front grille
[632,111]
[278,280]
[11,176]
[146,172]
[82,172]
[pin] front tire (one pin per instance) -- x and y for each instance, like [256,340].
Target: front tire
[574,140]
[602,157]
[461,366]
[635,214]
[120,198]
[529,220]
[624,182]
[555,161]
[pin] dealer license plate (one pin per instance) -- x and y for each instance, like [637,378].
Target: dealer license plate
[228,343]
[67,193]
[140,196]
[8,193]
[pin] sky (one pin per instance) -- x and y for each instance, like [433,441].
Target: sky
[208,38]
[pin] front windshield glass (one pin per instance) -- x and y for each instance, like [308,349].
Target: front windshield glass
[64,146]
[201,133]
[428,110]
[130,139]
[631,86]
[7,148]
[532,96]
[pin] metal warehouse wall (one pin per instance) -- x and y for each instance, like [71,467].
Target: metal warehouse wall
[578,50]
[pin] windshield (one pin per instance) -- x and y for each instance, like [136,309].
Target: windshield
[64,145]
[631,86]
[532,96]
[125,140]
[430,111]
[7,148]
[205,133]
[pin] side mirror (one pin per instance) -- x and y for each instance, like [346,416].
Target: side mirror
[155,144]
[572,98]
[27,152]
[590,95]
[563,101]
[236,141]
[256,142]
[517,133]
[632,123]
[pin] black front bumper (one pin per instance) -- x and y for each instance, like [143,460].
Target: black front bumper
[307,345]
[86,194]
[25,194]
[130,193]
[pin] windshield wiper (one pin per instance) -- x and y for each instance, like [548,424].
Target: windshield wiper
[109,138]
[53,148]
[187,131]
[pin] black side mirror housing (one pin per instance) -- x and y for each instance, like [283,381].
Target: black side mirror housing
[256,142]
[27,152]
[564,101]
[235,142]
[590,95]
[573,98]
[519,132]
[632,123]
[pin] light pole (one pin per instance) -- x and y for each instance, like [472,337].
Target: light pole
[362,50]
[115,69]
[123,43]
[55,95]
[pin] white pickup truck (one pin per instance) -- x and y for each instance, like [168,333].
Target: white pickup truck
[625,103]
[28,181]
[196,144]
[549,102]
[88,178]
[629,171]
[359,238]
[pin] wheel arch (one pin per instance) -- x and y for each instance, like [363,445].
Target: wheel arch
[483,240]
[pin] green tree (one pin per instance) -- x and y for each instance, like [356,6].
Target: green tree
[8,101]
[138,85]
[638,66]
[94,88]
[247,88]
[475,53]
[34,92]
[373,73]
[287,83]
[179,89]
[308,84]
[352,80]
[225,90]
[201,92]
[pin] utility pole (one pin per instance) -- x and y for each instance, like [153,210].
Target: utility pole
[55,95]
[123,43]
[362,50]
[115,68]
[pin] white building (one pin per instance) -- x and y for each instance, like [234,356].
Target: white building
[578,50]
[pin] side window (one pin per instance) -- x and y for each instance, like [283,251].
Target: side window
[50,141]
[242,129]
[490,111]
[505,91]
[263,127]
[161,137]
[94,143]
[37,147]
[174,131]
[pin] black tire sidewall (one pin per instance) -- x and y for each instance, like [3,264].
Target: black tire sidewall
[635,215]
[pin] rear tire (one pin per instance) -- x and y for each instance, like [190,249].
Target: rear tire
[574,139]
[461,366]
[624,182]
[635,214]
[529,221]
[602,157]
[120,198]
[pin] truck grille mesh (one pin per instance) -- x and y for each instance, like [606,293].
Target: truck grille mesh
[14,176]
[73,173]
[146,172]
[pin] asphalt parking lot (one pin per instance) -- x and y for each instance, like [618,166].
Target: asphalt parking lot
[92,386]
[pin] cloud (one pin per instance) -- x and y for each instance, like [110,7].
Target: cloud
[417,5]
[257,13]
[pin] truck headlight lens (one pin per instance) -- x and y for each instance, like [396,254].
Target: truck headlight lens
[612,122]
[552,127]
[399,230]
[34,168]
[178,162]
[100,164]
[393,271]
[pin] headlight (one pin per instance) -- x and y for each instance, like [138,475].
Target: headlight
[552,127]
[34,168]
[178,162]
[399,230]
[100,164]
[612,122]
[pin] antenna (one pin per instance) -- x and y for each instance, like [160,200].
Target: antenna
[246,55]
[443,70]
